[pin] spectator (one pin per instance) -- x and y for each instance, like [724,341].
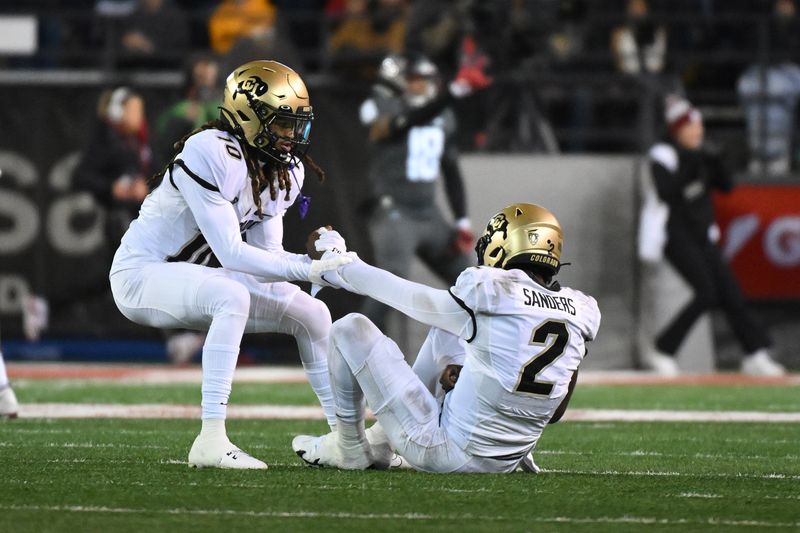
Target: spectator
[436,29]
[639,45]
[412,130]
[303,22]
[155,34]
[113,169]
[369,30]
[769,93]
[573,35]
[198,106]
[117,160]
[236,19]
[685,174]
[273,43]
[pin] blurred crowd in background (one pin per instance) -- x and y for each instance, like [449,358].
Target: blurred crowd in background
[560,76]
[571,75]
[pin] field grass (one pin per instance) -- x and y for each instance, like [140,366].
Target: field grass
[71,391]
[677,397]
[131,475]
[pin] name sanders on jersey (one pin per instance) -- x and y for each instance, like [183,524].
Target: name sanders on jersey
[537,299]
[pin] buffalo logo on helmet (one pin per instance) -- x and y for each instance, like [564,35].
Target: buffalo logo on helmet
[253,85]
[498,223]
[519,236]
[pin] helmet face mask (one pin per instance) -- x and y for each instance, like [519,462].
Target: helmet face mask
[411,75]
[422,81]
[284,127]
[268,107]
[522,236]
[392,72]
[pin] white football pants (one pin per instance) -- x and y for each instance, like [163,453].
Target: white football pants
[365,364]
[227,304]
[3,375]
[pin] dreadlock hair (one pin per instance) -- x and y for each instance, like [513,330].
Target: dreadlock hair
[273,174]
[310,163]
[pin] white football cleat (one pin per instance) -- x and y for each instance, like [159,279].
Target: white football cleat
[182,347]
[326,451]
[8,402]
[35,316]
[380,447]
[663,364]
[400,462]
[527,464]
[760,363]
[221,453]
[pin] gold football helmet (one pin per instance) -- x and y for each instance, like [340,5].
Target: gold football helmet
[259,94]
[521,235]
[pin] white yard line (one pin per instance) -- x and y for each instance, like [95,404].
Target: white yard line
[284,412]
[400,516]
[649,415]
[164,374]
[659,473]
[95,410]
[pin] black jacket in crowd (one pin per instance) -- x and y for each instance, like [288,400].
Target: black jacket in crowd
[687,190]
[109,156]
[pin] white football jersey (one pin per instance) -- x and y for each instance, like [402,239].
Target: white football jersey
[527,342]
[166,229]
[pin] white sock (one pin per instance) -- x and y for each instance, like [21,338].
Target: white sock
[213,428]
[351,435]
[3,375]
[219,362]
[319,379]
[350,405]
[762,352]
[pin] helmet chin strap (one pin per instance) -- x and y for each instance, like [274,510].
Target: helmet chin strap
[237,130]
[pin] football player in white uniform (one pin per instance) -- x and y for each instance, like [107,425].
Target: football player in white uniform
[206,251]
[524,337]
[8,400]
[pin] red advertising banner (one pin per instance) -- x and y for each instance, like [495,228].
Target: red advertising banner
[761,238]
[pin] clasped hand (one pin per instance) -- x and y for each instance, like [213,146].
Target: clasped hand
[328,251]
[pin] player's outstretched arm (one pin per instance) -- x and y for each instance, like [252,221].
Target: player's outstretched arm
[430,306]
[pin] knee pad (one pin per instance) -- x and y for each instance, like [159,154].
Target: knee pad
[310,313]
[356,328]
[358,340]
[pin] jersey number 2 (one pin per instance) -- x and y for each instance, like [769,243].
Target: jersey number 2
[540,337]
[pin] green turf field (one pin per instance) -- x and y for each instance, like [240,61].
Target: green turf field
[678,397]
[131,475]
